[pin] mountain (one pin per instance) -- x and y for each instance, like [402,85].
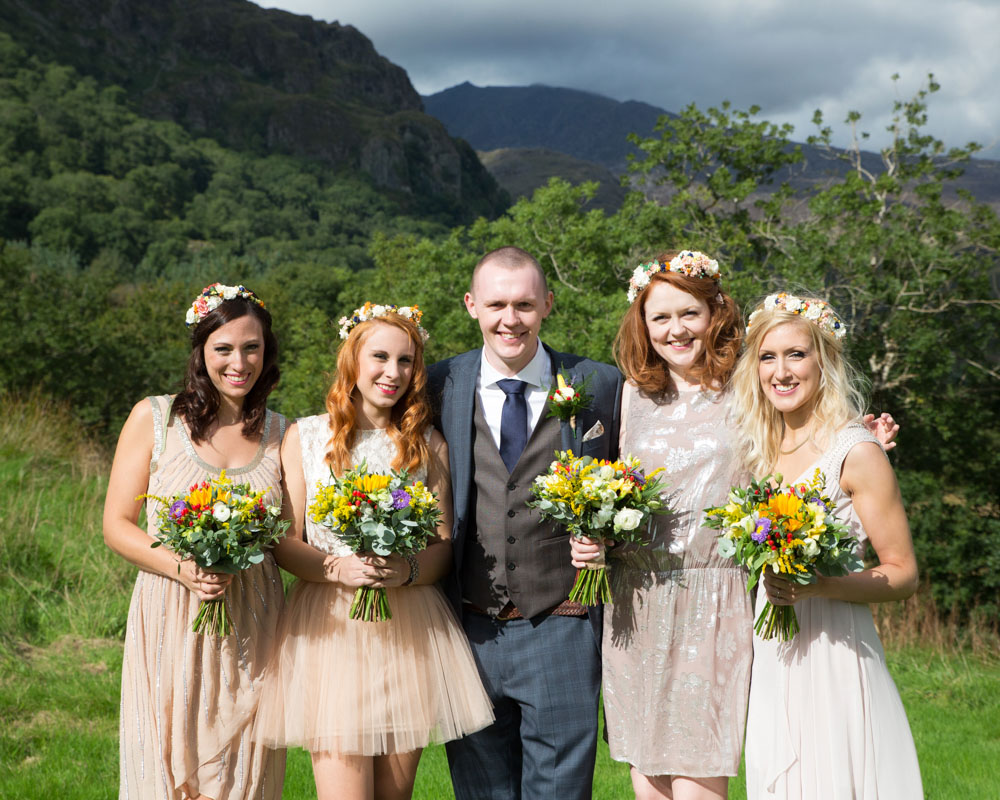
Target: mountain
[595,128]
[263,81]
[521,170]
[580,124]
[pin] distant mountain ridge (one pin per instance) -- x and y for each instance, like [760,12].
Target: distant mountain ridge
[261,80]
[595,128]
[580,124]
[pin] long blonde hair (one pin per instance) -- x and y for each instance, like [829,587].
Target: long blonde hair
[840,397]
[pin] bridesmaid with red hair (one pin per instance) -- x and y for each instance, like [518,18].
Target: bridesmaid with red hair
[366,697]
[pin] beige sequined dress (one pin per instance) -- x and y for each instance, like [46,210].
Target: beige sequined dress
[678,634]
[189,701]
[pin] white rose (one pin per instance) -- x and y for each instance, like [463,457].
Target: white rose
[792,303]
[405,312]
[190,317]
[213,303]
[221,512]
[627,519]
[378,311]
[229,292]
[771,301]
[810,548]
[813,311]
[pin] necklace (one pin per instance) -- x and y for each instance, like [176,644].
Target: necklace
[789,452]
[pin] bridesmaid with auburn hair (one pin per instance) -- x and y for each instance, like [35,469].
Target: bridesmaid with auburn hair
[365,698]
[189,701]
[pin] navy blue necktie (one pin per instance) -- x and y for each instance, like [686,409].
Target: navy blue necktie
[513,422]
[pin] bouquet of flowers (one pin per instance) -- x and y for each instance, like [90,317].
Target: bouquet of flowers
[223,527]
[376,513]
[600,500]
[789,530]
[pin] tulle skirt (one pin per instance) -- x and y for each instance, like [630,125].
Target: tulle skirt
[370,688]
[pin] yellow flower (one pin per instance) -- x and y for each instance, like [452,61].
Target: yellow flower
[373,483]
[201,496]
[785,505]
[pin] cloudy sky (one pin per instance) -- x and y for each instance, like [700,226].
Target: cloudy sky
[790,57]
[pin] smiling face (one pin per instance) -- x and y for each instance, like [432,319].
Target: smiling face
[234,356]
[509,304]
[385,369]
[676,323]
[789,369]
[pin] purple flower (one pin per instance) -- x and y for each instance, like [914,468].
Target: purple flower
[400,498]
[177,510]
[762,530]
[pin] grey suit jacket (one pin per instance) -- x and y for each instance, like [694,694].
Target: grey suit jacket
[452,389]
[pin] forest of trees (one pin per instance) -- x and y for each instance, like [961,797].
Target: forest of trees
[110,223]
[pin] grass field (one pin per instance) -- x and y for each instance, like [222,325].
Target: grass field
[64,597]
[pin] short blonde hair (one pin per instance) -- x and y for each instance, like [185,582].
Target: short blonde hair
[840,398]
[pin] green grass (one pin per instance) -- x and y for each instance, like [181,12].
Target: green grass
[64,598]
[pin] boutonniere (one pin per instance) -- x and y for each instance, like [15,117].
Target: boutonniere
[567,400]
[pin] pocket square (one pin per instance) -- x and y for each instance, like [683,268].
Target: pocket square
[594,432]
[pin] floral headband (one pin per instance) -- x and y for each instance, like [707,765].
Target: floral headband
[687,262]
[816,311]
[370,311]
[211,298]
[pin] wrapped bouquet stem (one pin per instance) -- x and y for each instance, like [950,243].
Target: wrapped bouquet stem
[385,514]
[600,500]
[222,527]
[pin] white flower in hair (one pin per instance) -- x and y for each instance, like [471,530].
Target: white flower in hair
[229,292]
[816,311]
[370,311]
[687,262]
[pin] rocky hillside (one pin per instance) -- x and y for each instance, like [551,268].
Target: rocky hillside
[262,80]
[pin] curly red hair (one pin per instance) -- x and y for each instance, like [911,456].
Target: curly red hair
[641,364]
[410,416]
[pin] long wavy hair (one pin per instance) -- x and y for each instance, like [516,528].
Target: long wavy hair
[644,367]
[198,401]
[410,416]
[840,397]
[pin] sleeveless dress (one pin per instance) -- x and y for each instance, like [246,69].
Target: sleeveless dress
[677,636]
[370,688]
[826,720]
[189,701]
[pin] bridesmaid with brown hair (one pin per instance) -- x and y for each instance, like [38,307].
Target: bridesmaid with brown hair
[189,701]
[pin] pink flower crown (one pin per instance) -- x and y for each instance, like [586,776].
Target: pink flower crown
[687,262]
[370,311]
[213,296]
[816,311]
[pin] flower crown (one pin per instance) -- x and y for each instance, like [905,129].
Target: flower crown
[370,311]
[816,311]
[211,298]
[687,262]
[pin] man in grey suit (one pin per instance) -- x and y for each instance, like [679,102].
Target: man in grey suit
[538,654]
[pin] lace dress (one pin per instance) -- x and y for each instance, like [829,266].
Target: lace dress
[677,636]
[369,688]
[826,721]
[189,701]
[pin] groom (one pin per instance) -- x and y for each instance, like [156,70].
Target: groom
[538,654]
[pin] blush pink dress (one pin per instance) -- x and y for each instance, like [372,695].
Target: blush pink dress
[348,686]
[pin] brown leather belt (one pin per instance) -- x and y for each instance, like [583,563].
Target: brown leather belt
[565,609]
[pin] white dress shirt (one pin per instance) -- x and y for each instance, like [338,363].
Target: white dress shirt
[537,374]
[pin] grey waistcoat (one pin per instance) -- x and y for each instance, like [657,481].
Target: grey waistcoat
[511,554]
